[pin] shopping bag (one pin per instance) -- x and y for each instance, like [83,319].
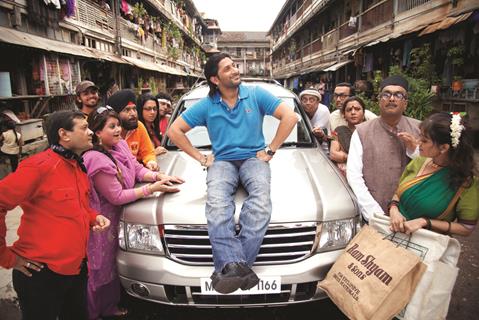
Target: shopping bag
[440,253]
[373,278]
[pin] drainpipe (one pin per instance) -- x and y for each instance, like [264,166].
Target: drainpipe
[116,13]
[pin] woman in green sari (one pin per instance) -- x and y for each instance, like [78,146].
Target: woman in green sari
[438,190]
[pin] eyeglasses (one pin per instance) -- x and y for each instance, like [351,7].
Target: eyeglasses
[397,95]
[150,109]
[340,96]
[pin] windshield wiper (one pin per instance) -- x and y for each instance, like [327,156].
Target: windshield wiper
[205,146]
[297,144]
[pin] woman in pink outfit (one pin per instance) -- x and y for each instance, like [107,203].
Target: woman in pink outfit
[113,172]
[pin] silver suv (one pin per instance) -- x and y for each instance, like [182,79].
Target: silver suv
[165,253]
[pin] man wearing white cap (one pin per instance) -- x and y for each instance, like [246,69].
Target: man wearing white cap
[317,113]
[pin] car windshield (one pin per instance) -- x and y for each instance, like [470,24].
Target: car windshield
[300,135]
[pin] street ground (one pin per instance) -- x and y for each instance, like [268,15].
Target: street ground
[463,304]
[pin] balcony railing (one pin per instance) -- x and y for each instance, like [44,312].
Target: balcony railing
[377,15]
[405,5]
[91,14]
[345,30]
[316,46]
[330,39]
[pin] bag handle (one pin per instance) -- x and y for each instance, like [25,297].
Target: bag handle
[391,237]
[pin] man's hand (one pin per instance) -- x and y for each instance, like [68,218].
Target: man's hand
[319,133]
[101,223]
[152,165]
[263,156]
[409,140]
[25,266]
[160,150]
[207,160]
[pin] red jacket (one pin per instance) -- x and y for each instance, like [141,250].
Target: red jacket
[54,228]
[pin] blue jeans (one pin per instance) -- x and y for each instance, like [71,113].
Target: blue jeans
[222,180]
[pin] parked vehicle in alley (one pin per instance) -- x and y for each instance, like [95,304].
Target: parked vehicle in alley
[165,253]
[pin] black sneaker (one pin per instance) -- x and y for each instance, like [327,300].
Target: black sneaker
[229,279]
[250,279]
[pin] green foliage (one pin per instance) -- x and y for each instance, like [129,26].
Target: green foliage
[172,30]
[456,54]
[371,104]
[173,52]
[419,95]
[138,10]
[422,66]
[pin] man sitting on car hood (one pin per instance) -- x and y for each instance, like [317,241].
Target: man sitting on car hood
[233,114]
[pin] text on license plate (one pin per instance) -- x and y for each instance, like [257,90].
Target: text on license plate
[266,285]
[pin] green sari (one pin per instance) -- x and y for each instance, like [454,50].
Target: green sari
[431,196]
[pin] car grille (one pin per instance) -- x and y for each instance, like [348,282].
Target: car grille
[283,243]
[289,293]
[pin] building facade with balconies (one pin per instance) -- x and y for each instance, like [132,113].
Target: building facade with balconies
[48,50]
[249,50]
[211,34]
[345,40]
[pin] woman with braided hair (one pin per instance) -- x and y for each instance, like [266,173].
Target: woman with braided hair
[113,172]
[439,190]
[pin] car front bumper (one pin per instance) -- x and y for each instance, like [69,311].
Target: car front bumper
[162,280]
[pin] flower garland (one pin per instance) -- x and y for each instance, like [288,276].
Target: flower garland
[456,129]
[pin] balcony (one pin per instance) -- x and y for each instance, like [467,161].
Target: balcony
[345,30]
[377,15]
[91,15]
[406,5]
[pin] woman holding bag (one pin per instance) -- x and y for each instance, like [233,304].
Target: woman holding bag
[113,172]
[438,190]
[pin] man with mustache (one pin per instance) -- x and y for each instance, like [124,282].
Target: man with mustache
[133,131]
[342,91]
[233,114]
[381,148]
[86,97]
[49,257]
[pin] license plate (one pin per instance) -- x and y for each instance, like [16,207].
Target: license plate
[266,285]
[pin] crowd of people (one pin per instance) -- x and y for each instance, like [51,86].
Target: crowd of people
[421,174]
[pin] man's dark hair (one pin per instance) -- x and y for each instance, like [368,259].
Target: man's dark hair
[352,92]
[162,95]
[61,120]
[211,70]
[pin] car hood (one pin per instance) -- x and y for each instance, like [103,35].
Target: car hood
[305,186]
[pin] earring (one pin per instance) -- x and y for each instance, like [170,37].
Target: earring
[99,141]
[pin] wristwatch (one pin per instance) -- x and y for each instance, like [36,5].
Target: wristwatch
[269,152]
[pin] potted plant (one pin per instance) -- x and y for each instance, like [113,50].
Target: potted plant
[138,12]
[456,56]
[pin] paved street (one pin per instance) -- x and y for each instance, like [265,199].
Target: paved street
[463,305]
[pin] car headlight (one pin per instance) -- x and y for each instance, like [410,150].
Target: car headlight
[337,234]
[140,238]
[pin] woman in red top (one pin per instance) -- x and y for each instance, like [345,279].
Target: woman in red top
[148,111]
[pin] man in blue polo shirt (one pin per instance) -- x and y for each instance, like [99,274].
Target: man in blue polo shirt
[233,114]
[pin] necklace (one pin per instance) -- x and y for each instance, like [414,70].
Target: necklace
[435,165]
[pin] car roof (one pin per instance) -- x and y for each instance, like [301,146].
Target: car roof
[276,90]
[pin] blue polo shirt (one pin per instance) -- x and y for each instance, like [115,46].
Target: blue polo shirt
[235,133]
